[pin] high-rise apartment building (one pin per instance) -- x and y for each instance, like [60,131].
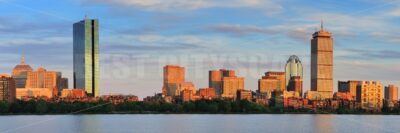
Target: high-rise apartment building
[370,95]
[391,93]
[322,63]
[7,88]
[173,77]
[19,73]
[86,56]
[293,68]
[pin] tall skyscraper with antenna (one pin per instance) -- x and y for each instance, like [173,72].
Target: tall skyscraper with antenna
[86,55]
[322,63]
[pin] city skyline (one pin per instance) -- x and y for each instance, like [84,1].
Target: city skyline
[253,42]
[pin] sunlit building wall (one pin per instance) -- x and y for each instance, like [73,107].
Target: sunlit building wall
[19,73]
[322,63]
[391,93]
[370,95]
[7,88]
[173,77]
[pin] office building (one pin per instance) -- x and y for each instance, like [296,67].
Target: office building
[322,63]
[230,85]
[296,85]
[293,68]
[272,81]
[41,78]
[7,88]
[173,77]
[391,93]
[348,86]
[86,56]
[216,79]
[19,73]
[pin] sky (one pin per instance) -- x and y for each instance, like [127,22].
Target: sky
[139,37]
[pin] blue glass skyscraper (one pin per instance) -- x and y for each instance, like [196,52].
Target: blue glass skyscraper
[86,56]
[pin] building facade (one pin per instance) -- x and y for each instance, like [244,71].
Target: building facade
[36,93]
[391,93]
[86,56]
[272,81]
[370,95]
[266,85]
[293,68]
[296,85]
[215,79]
[173,77]
[348,86]
[322,63]
[19,73]
[73,93]
[41,78]
[230,85]
[207,93]
[244,95]
[7,88]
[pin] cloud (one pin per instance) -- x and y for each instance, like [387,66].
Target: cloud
[365,54]
[168,5]
[389,37]
[161,43]
[22,41]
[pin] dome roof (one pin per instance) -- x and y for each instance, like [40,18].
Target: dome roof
[294,58]
[22,67]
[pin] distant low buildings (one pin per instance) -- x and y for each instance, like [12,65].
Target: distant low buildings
[73,93]
[36,92]
[207,93]
[343,96]
[244,95]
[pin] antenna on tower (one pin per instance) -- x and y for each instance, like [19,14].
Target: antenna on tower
[23,59]
[322,25]
[86,16]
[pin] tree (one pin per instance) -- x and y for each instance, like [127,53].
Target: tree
[41,107]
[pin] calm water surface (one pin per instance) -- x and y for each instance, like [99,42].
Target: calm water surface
[201,123]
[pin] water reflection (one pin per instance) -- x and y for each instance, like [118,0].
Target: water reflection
[323,123]
[201,123]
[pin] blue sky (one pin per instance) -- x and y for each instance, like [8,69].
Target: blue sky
[138,37]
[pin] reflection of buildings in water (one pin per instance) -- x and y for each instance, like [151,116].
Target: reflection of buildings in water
[323,123]
[88,124]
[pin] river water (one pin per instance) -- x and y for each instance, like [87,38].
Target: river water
[199,123]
